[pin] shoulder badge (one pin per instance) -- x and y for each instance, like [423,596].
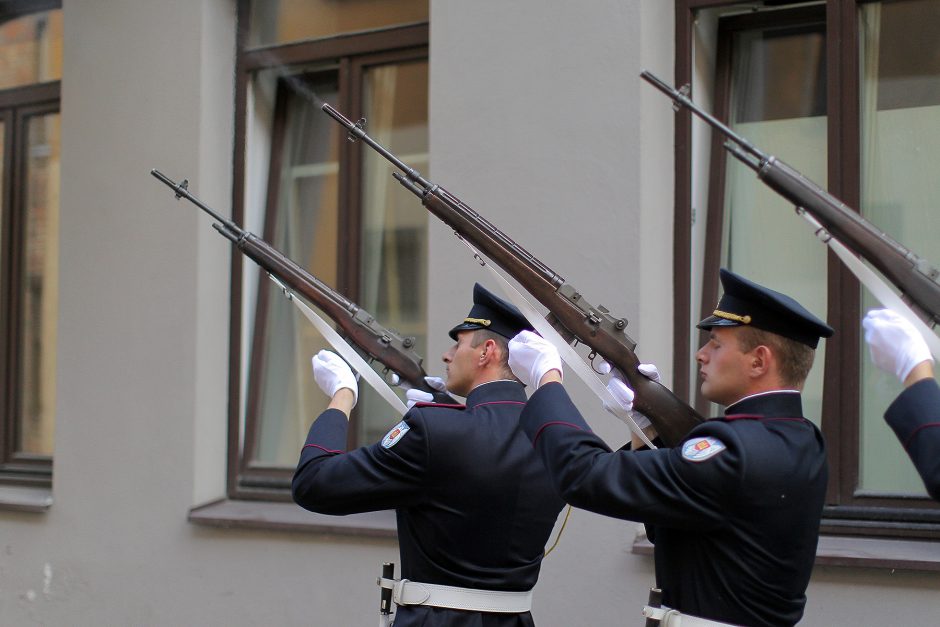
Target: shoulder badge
[700,449]
[397,433]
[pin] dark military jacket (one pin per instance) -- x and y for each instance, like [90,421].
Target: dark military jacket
[474,505]
[915,417]
[733,511]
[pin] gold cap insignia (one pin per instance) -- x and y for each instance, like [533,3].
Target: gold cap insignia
[482,321]
[731,316]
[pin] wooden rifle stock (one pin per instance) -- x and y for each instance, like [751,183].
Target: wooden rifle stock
[358,326]
[911,274]
[593,326]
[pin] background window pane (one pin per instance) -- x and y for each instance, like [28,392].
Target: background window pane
[763,239]
[900,98]
[31,49]
[285,21]
[40,287]
[283,395]
[394,222]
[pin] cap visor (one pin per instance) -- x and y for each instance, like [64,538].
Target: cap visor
[715,321]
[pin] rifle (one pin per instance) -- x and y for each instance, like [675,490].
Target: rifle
[377,342]
[578,319]
[913,275]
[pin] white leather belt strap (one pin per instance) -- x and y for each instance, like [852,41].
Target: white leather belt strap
[405,592]
[668,617]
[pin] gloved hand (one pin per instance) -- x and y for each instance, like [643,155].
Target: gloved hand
[624,394]
[420,396]
[894,343]
[531,356]
[333,374]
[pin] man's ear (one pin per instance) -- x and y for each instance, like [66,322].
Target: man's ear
[761,359]
[489,351]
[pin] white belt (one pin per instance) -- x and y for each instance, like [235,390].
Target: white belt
[668,617]
[405,592]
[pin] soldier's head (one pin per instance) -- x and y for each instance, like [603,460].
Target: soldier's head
[759,340]
[481,350]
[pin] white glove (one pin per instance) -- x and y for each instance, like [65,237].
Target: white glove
[531,356]
[894,343]
[624,394]
[420,396]
[333,374]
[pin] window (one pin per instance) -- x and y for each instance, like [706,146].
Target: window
[328,205]
[843,92]
[30,69]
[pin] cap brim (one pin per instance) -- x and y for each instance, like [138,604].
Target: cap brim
[466,326]
[715,321]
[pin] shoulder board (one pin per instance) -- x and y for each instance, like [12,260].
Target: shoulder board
[447,405]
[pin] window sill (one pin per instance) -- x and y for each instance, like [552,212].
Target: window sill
[25,499]
[919,555]
[268,515]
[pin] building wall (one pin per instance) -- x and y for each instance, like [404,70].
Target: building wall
[538,120]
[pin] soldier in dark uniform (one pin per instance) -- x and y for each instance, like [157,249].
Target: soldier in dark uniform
[734,510]
[897,347]
[474,505]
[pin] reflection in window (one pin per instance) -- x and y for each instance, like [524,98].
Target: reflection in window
[31,49]
[286,21]
[302,217]
[900,98]
[40,286]
[394,222]
[778,102]
[300,220]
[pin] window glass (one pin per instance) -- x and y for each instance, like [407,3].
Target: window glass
[777,103]
[303,221]
[899,62]
[31,49]
[394,222]
[40,286]
[303,225]
[285,21]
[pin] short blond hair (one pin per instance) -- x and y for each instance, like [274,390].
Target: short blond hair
[795,358]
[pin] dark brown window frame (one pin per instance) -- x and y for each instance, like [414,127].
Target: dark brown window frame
[17,106]
[849,511]
[352,53]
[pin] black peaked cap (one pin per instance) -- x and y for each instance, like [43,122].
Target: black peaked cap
[747,303]
[491,312]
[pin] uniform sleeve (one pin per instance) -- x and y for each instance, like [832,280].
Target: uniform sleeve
[915,418]
[660,487]
[385,475]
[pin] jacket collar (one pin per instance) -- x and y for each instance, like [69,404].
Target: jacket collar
[501,390]
[771,405]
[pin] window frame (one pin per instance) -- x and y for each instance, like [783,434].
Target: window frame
[352,54]
[17,106]
[848,511]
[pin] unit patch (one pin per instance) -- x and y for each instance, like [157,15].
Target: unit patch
[398,432]
[700,449]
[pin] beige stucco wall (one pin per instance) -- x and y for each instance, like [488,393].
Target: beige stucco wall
[538,120]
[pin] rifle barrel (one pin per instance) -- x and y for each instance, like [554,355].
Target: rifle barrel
[681,99]
[182,191]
